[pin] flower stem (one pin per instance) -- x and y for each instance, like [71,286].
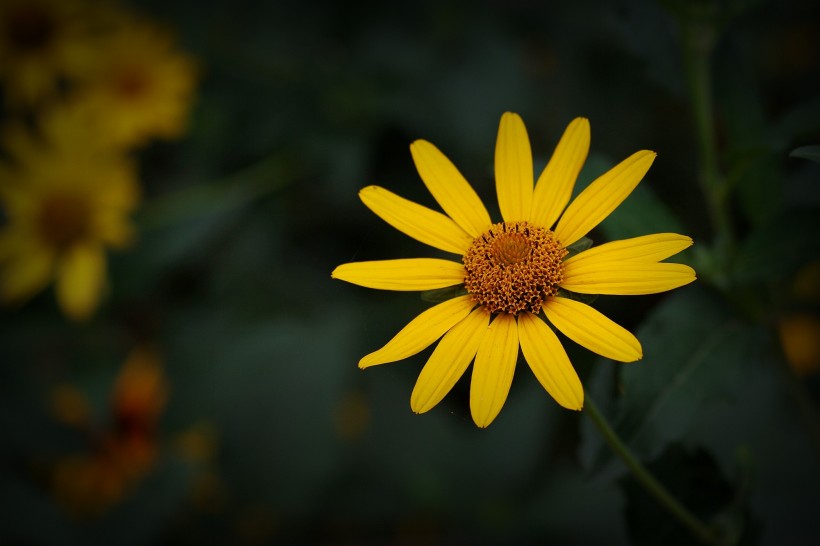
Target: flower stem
[703,532]
[699,37]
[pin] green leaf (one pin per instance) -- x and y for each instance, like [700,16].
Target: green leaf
[439,295]
[583,298]
[694,478]
[811,153]
[694,352]
[754,167]
[642,213]
[579,246]
[776,250]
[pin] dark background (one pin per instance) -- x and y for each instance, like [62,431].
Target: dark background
[300,104]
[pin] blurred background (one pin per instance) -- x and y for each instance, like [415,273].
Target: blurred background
[178,180]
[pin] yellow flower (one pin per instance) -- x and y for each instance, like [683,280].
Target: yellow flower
[515,272]
[141,86]
[40,41]
[65,199]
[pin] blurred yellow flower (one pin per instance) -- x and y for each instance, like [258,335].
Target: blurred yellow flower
[65,197]
[515,273]
[40,41]
[141,87]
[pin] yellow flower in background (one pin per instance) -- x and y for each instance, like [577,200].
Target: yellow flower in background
[516,273]
[40,41]
[141,86]
[65,198]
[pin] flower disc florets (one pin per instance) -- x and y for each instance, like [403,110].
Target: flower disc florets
[514,267]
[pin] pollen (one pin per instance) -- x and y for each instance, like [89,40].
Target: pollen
[514,267]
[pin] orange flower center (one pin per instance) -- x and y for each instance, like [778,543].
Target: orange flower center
[131,83]
[29,29]
[514,267]
[63,219]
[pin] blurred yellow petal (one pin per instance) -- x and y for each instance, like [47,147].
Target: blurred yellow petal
[647,248]
[80,280]
[404,274]
[450,189]
[421,332]
[114,228]
[549,361]
[419,222]
[513,169]
[449,360]
[493,369]
[25,271]
[554,187]
[591,329]
[603,196]
[625,278]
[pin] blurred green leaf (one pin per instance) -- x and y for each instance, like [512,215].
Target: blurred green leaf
[694,353]
[777,249]
[807,152]
[799,120]
[754,168]
[695,479]
[642,213]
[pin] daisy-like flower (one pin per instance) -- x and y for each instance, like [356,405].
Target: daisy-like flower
[517,274]
[65,198]
[141,86]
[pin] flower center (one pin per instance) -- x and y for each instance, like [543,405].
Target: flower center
[63,219]
[514,267]
[131,83]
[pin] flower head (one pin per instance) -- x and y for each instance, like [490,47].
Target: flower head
[65,197]
[517,274]
[141,86]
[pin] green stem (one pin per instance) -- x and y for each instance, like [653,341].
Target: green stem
[703,532]
[699,36]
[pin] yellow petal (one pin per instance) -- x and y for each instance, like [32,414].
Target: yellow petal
[549,362]
[513,169]
[493,369]
[449,360]
[603,196]
[647,248]
[405,274]
[114,228]
[423,224]
[450,189]
[591,329]
[26,270]
[554,187]
[625,278]
[421,332]
[81,280]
